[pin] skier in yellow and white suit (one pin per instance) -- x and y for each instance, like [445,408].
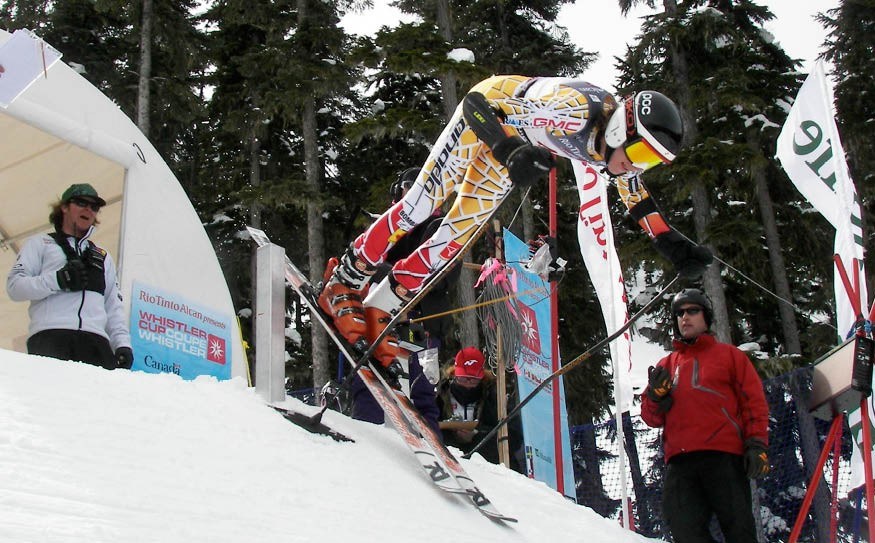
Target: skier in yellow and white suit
[505,133]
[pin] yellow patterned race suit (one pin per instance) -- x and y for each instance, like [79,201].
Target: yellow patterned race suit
[565,116]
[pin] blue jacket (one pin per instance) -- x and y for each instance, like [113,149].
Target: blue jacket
[365,407]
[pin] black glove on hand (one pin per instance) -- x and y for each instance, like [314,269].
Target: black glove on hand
[525,163]
[659,380]
[659,383]
[659,387]
[72,277]
[689,259]
[124,357]
[756,458]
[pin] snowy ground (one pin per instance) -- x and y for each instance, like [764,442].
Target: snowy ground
[88,455]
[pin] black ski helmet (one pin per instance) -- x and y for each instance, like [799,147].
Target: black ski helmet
[691,296]
[405,180]
[650,117]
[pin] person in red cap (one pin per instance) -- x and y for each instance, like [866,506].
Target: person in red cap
[469,408]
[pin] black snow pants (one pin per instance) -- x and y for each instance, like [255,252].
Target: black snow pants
[73,345]
[699,484]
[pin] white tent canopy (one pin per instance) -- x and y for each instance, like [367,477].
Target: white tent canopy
[63,130]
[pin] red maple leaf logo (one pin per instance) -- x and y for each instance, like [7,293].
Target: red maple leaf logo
[216,351]
[529,328]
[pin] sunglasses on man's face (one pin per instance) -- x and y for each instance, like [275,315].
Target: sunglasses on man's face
[95,207]
[688,310]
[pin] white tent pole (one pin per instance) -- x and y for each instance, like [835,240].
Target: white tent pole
[96,141]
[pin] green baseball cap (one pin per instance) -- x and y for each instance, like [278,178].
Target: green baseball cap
[82,190]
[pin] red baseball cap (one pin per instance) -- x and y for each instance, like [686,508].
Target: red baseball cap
[469,363]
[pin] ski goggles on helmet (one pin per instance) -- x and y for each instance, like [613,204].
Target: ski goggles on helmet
[642,155]
[644,148]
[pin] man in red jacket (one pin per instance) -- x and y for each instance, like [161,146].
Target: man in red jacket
[709,401]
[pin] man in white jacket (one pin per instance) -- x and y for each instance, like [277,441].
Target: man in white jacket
[76,310]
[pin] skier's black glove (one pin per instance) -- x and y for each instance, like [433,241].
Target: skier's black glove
[525,163]
[756,458]
[659,387]
[72,277]
[124,358]
[689,259]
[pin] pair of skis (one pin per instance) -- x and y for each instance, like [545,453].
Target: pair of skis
[438,463]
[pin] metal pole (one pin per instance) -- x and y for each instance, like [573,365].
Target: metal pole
[554,347]
[270,316]
[867,464]
[835,432]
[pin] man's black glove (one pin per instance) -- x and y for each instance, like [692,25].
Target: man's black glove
[689,259]
[124,357]
[525,163]
[72,277]
[756,458]
[659,387]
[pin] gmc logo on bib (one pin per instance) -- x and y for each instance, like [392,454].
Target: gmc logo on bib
[541,122]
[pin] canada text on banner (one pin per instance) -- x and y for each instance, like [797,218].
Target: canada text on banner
[172,335]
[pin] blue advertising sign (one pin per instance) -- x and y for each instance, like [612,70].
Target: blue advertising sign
[545,461]
[171,335]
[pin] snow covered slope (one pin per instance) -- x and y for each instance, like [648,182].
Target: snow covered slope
[88,455]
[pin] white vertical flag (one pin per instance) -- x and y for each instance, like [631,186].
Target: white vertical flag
[811,153]
[595,234]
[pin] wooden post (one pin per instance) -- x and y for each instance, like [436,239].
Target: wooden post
[501,393]
[501,378]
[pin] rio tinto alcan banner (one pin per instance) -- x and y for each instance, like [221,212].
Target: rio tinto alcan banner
[172,335]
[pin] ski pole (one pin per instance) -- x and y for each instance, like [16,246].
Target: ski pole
[571,365]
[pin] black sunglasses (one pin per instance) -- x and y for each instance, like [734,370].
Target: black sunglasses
[688,310]
[95,207]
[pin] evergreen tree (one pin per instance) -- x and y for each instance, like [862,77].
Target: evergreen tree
[277,70]
[177,106]
[30,14]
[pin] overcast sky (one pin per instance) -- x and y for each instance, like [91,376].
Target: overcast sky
[794,28]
